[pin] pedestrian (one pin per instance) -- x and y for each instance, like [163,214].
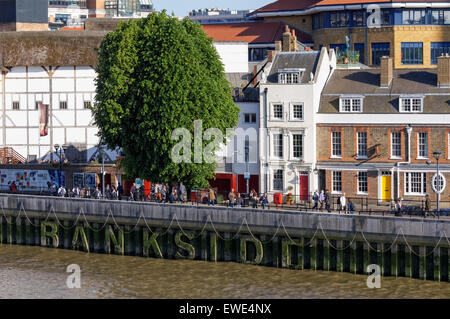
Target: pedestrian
[350,207]
[133,191]
[82,192]
[327,201]
[108,192]
[88,193]
[182,192]
[164,194]
[254,198]
[343,203]
[172,196]
[427,205]
[321,199]
[211,197]
[119,191]
[239,200]
[53,190]
[398,207]
[97,193]
[142,193]
[113,193]
[231,197]
[61,191]
[315,198]
[264,201]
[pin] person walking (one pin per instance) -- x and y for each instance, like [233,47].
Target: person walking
[350,207]
[231,198]
[327,201]
[264,201]
[427,206]
[53,190]
[133,191]
[61,191]
[315,198]
[398,207]
[97,193]
[83,192]
[343,203]
[321,199]
[76,192]
[211,197]
[254,198]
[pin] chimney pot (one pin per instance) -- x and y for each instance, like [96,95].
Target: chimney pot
[270,56]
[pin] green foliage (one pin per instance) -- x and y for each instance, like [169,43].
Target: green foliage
[157,74]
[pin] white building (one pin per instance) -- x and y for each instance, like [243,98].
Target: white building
[290,96]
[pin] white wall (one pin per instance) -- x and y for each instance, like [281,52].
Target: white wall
[234,56]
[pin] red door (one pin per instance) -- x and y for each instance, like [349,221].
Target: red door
[304,187]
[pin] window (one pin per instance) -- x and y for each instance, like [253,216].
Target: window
[411,105]
[336,181]
[286,77]
[278,145]
[380,49]
[36,105]
[63,105]
[413,17]
[87,104]
[278,111]
[415,183]
[351,104]
[359,47]
[412,53]
[422,145]
[250,117]
[359,19]
[362,144]
[247,149]
[336,144]
[438,49]
[438,183]
[16,105]
[297,111]
[362,182]
[257,54]
[278,179]
[440,17]
[396,144]
[297,145]
[339,19]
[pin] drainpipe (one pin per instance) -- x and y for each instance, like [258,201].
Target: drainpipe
[266,177]
[408,130]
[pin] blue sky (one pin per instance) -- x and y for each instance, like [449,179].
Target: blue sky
[182,7]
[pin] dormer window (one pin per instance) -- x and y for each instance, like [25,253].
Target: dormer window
[290,76]
[350,104]
[411,104]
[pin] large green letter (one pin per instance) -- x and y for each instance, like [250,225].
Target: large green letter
[151,242]
[118,243]
[79,231]
[259,250]
[185,246]
[52,234]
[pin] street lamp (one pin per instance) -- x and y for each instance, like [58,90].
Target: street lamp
[102,152]
[438,188]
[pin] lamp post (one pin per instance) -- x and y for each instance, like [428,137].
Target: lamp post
[102,152]
[438,188]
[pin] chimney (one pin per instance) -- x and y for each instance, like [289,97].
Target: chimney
[443,70]
[287,39]
[270,56]
[278,46]
[387,71]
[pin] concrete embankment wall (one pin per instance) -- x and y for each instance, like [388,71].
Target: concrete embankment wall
[417,248]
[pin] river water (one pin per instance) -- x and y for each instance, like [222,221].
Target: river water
[37,272]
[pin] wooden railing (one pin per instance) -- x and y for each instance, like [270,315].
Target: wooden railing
[9,156]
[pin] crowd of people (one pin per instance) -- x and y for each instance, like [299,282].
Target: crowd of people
[323,198]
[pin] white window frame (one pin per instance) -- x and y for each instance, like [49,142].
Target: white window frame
[291,109]
[291,137]
[403,99]
[352,101]
[392,145]
[282,179]
[286,76]
[448,145]
[358,156]
[274,153]
[332,182]
[358,181]
[418,146]
[340,143]
[272,112]
[407,179]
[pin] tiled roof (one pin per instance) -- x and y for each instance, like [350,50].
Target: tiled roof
[294,5]
[294,60]
[385,100]
[251,32]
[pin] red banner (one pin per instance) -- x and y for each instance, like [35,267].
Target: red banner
[43,123]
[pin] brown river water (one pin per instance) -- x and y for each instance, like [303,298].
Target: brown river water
[36,272]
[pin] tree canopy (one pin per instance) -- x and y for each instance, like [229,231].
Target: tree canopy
[157,74]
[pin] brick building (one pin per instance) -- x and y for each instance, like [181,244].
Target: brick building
[378,128]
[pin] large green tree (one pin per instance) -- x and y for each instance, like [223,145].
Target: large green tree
[155,75]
